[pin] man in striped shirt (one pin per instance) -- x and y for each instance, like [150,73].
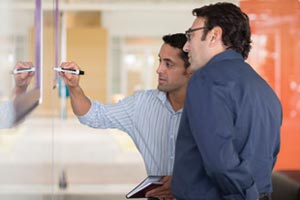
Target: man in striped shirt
[151,118]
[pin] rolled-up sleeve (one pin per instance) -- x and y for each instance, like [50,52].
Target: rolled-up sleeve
[118,115]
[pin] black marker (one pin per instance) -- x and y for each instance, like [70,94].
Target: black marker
[72,71]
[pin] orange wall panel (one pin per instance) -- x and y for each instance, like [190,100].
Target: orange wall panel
[275,27]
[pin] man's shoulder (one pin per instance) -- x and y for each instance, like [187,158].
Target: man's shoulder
[152,95]
[147,93]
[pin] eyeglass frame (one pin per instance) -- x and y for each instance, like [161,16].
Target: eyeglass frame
[190,30]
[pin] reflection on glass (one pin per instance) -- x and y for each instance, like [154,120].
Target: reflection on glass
[7,114]
[14,40]
[12,110]
[20,150]
[6,60]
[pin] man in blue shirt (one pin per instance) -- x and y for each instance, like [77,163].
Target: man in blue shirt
[228,137]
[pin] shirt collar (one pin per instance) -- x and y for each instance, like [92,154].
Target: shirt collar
[225,55]
[162,96]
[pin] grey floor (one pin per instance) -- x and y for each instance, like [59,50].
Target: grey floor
[97,164]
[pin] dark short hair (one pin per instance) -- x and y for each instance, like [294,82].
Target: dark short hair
[234,23]
[178,40]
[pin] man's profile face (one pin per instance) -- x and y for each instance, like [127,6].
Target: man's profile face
[197,45]
[171,72]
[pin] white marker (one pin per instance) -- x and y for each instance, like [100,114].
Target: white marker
[23,70]
[72,71]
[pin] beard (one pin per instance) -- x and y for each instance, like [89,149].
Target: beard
[162,88]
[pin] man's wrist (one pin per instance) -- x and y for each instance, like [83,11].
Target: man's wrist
[19,90]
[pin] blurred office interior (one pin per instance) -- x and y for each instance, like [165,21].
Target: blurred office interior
[50,155]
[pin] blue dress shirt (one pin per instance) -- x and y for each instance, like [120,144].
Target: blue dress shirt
[229,134]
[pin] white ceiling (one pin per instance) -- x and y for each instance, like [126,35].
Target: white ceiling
[108,5]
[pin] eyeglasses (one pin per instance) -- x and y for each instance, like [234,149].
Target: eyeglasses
[189,31]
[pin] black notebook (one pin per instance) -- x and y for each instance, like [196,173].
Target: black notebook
[146,185]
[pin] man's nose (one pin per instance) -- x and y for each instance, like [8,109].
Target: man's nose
[160,69]
[186,47]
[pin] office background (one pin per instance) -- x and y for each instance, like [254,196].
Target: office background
[117,44]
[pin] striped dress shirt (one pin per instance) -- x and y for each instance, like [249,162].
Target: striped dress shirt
[149,120]
[7,116]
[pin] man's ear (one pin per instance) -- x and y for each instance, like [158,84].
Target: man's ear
[215,35]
